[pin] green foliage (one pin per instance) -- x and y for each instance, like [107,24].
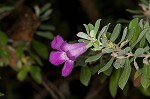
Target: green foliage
[115,32]
[107,66]
[133,45]
[23,73]
[35,72]
[1,94]
[145,78]
[93,58]
[3,38]
[85,75]
[40,49]
[125,75]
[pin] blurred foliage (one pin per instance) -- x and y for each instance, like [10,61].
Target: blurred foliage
[27,28]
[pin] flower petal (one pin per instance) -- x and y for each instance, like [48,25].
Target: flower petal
[67,69]
[57,42]
[73,54]
[57,57]
[66,46]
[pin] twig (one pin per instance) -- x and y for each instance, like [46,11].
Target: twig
[50,84]
[50,90]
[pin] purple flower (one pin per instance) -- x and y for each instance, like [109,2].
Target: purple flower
[65,53]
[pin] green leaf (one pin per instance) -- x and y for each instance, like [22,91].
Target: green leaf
[3,38]
[115,32]
[45,16]
[87,29]
[21,75]
[141,23]
[93,58]
[83,35]
[137,31]
[140,36]
[124,35]
[113,83]
[47,35]
[148,71]
[104,51]
[125,75]
[133,23]
[121,52]
[92,33]
[145,82]
[46,27]
[146,25]
[106,66]
[40,49]
[97,25]
[3,52]
[143,42]
[45,8]
[85,75]
[91,27]
[145,92]
[36,74]
[95,68]
[1,94]
[139,51]
[148,35]
[108,71]
[20,49]
[137,73]
[130,34]
[103,31]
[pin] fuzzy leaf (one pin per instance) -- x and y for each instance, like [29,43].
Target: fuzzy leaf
[125,75]
[148,35]
[103,31]
[145,82]
[91,27]
[115,32]
[119,63]
[141,24]
[139,51]
[97,25]
[140,36]
[93,58]
[106,66]
[124,35]
[143,42]
[137,31]
[146,25]
[83,35]
[87,29]
[130,34]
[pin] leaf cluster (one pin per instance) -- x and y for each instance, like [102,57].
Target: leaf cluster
[122,51]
